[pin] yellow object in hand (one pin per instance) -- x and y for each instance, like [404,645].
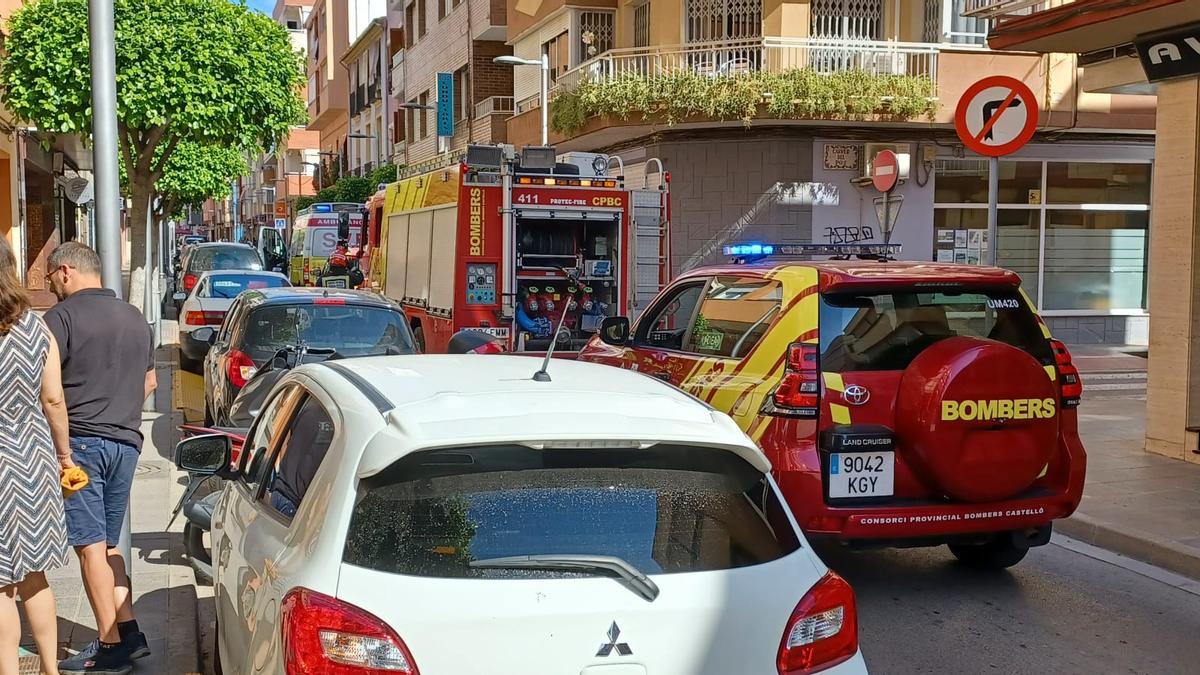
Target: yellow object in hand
[73,480]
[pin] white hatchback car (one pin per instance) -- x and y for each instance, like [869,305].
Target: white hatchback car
[209,301]
[446,515]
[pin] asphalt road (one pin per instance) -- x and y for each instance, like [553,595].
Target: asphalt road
[1067,608]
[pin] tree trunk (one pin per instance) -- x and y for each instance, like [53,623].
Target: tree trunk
[141,191]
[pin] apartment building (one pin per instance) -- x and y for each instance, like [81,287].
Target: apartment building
[328,30]
[366,61]
[278,178]
[460,37]
[754,106]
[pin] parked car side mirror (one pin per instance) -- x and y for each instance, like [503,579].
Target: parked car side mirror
[615,331]
[205,334]
[210,454]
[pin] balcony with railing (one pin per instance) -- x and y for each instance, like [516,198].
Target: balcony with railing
[490,124]
[779,79]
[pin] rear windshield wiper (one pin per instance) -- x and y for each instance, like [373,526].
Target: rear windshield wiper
[626,573]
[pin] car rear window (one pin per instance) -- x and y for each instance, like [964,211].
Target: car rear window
[224,258]
[887,330]
[351,330]
[666,509]
[229,286]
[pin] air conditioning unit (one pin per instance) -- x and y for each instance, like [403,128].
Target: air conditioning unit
[887,63]
[903,156]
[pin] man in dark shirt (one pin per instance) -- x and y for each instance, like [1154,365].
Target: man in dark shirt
[108,371]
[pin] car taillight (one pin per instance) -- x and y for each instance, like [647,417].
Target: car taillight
[798,393]
[204,318]
[1069,382]
[329,301]
[241,368]
[327,636]
[823,629]
[189,282]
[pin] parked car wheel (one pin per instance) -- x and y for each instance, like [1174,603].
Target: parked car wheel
[190,365]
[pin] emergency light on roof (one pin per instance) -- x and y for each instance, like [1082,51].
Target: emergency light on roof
[754,251]
[322,208]
[572,182]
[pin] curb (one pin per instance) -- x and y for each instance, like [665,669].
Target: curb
[1146,548]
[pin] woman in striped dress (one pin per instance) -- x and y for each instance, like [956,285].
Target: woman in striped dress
[34,447]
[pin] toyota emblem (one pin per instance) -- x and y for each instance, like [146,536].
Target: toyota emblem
[856,394]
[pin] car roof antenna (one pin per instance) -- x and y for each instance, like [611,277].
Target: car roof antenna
[543,375]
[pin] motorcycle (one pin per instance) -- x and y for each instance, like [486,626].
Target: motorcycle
[341,270]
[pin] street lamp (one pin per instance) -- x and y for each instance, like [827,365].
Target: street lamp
[544,62]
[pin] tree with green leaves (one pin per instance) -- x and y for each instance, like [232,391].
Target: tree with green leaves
[209,72]
[196,172]
[354,189]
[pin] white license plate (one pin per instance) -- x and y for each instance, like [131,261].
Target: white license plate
[861,474]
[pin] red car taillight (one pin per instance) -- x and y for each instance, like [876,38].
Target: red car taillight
[189,282]
[241,368]
[1070,384]
[798,393]
[204,318]
[823,629]
[327,636]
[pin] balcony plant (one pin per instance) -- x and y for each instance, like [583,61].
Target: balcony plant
[800,93]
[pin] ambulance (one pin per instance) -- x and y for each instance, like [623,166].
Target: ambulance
[900,403]
[532,248]
[314,235]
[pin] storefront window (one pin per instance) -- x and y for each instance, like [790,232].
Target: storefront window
[958,230]
[1095,260]
[1097,183]
[965,181]
[1096,215]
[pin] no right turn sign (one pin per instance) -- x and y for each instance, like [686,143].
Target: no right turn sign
[996,116]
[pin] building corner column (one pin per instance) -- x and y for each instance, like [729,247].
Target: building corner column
[1173,377]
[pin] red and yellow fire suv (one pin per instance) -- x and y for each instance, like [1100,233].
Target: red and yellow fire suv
[528,248]
[899,403]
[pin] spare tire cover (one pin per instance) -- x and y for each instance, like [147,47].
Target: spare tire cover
[977,419]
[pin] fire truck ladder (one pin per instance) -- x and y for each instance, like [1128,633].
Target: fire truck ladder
[652,240]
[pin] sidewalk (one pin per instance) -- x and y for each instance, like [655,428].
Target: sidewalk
[163,583]
[1140,505]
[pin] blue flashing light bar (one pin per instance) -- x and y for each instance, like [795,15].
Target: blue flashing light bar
[762,250]
[322,208]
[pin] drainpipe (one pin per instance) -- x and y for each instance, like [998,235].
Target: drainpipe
[20,239]
[469,94]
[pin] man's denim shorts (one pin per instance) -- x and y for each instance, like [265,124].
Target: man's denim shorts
[95,513]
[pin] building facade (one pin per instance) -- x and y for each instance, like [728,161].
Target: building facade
[833,82]
[328,30]
[45,188]
[367,62]
[1146,47]
[459,37]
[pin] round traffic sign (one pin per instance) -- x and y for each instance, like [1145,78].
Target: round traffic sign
[996,116]
[885,170]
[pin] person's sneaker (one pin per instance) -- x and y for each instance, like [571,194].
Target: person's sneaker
[136,645]
[92,660]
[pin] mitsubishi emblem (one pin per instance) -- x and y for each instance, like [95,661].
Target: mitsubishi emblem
[856,394]
[622,648]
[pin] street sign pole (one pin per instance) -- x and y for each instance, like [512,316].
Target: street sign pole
[993,200]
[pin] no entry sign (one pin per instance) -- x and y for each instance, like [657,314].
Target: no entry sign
[996,116]
[885,170]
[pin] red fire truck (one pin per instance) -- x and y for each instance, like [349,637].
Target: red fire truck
[531,248]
